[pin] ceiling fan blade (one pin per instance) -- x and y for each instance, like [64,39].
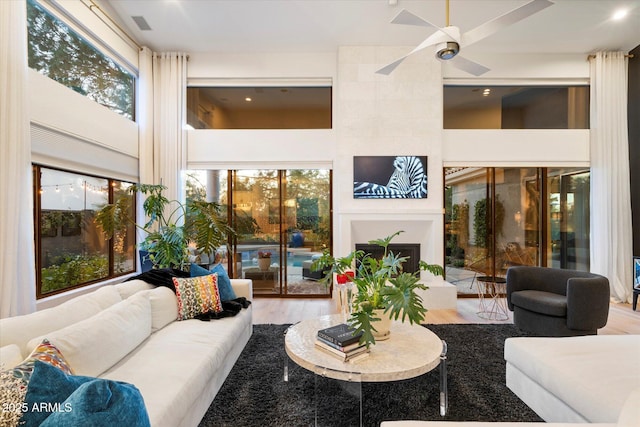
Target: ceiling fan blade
[405,17]
[388,69]
[469,66]
[435,38]
[505,20]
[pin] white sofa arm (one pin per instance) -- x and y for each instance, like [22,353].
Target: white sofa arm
[243,288]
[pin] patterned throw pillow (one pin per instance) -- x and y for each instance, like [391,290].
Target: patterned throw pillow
[14,382]
[45,352]
[197,295]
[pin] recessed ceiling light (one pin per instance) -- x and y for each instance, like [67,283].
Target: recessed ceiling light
[619,14]
[248,99]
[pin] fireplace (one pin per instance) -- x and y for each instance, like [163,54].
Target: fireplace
[409,250]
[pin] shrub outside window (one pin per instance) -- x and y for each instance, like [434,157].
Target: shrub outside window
[59,53]
[71,250]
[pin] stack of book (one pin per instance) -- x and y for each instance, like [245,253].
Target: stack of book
[341,341]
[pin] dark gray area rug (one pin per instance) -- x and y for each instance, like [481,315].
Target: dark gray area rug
[255,394]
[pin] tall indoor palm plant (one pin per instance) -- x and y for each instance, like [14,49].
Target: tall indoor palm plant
[171,225]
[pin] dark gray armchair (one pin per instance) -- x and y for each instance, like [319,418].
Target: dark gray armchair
[555,302]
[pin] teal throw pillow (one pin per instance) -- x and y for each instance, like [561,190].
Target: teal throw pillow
[55,398]
[224,283]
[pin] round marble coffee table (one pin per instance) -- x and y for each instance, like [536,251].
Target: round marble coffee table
[411,350]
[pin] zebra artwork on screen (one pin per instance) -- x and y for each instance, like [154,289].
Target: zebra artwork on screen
[390,177]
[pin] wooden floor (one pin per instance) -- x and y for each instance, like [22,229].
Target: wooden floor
[622,319]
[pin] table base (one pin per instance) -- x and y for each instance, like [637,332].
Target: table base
[492,302]
[353,386]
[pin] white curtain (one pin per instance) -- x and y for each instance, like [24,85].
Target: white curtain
[169,90]
[17,265]
[611,245]
[145,115]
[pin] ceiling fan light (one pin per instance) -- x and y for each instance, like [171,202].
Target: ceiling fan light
[447,50]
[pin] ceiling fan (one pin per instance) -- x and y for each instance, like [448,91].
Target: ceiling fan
[448,41]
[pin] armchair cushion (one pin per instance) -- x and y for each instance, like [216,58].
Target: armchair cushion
[541,302]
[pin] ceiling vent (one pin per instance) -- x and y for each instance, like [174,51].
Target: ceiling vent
[141,23]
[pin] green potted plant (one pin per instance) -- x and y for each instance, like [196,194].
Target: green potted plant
[380,284]
[171,225]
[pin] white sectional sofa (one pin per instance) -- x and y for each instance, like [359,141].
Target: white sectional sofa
[629,417]
[574,379]
[567,381]
[128,332]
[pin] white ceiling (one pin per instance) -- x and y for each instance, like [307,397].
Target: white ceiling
[247,26]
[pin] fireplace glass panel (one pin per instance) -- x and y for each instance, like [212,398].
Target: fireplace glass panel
[409,250]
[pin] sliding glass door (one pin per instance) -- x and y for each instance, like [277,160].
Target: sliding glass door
[283,221]
[496,218]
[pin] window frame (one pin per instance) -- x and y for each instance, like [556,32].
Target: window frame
[37,217]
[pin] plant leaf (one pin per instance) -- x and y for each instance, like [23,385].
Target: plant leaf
[402,299]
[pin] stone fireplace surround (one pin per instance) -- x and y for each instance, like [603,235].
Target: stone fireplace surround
[424,228]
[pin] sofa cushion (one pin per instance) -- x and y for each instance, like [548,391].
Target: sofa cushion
[224,283]
[164,307]
[21,329]
[197,295]
[630,415]
[131,287]
[593,375]
[94,345]
[10,356]
[541,302]
[78,400]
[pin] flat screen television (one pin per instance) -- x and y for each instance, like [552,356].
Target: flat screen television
[390,177]
[636,272]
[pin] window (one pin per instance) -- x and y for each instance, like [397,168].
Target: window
[71,250]
[516,107]
[259,107]
[59,53]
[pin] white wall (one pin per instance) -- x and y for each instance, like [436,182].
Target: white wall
[254,149]
[205,66]
[71,131]
[516,147]
[504,68]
